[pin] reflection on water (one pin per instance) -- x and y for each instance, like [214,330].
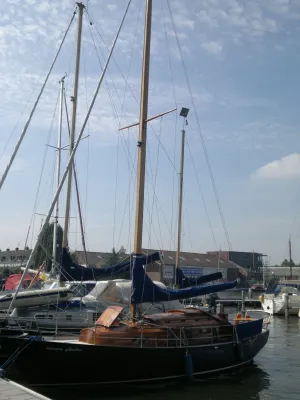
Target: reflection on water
[273,376]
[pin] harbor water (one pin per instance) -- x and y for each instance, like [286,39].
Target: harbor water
[274,375]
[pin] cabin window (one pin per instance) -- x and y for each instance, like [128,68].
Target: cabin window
[44,316]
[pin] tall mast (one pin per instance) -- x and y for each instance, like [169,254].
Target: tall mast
[70,161]
[73,124]
[138,233]
[184,112]
[58,162]
[290,257]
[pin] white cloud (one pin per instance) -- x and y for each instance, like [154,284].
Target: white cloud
[236,19]
[112,7]
[212,47]
[287,167]
[183,21]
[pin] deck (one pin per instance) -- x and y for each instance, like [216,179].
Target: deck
[13,391]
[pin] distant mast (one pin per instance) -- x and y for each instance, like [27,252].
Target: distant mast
[58,162]
[184,113]
[290,257]
[73,125]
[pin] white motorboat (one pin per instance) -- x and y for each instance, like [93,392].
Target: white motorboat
[40,297]
[284,299]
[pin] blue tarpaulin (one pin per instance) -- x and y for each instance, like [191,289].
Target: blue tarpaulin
[145,291]
[71,271]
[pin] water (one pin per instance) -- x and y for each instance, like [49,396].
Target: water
[275,375]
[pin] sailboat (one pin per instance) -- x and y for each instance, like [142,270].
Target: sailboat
[180,343]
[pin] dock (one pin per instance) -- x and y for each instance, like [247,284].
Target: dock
[10,390]
[236,302]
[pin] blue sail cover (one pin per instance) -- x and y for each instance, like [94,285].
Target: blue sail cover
[145,291]
[71,271]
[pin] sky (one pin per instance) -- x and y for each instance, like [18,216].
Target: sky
[242,62]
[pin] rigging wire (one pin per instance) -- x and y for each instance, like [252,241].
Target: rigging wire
[42,171]
[116,186]
[188,225]
[125,144]
[17,123]
[114,109]
[83,240]
[88,145]
[18,144]
[122,115]
[173,216]
[116,114]
[201,193]
[133,94]
[200,132]
[153,197]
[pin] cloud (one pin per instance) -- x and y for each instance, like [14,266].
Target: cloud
[287,167]
[212,47]
[112,7]
[238,19]
[182,21]
[19,165]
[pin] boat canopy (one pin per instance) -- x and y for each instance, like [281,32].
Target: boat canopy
[144,290]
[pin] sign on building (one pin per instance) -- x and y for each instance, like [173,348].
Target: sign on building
[192,272]
[168,272]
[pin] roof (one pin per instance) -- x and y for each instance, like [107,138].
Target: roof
[94,258]
[237,252]
[188,259]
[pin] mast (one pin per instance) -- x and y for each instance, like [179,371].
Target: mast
[290,257]
[141,167]
[138,233]
[73,124]
[70,161]
[80,216]
[219,256]
[184,112]
[77,191]
[58,162]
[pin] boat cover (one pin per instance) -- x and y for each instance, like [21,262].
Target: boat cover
[144,290]
[72,271]
[13,280]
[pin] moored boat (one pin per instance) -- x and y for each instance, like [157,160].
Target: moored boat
[174,345]
[28,298]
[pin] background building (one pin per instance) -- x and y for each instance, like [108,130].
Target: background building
[96,258]
[251,261]
[193,265]
[14,259]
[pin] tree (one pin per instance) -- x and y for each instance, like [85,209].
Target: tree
[122,253]
[44,251]
[5,272]
[114,257]
[285,263]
